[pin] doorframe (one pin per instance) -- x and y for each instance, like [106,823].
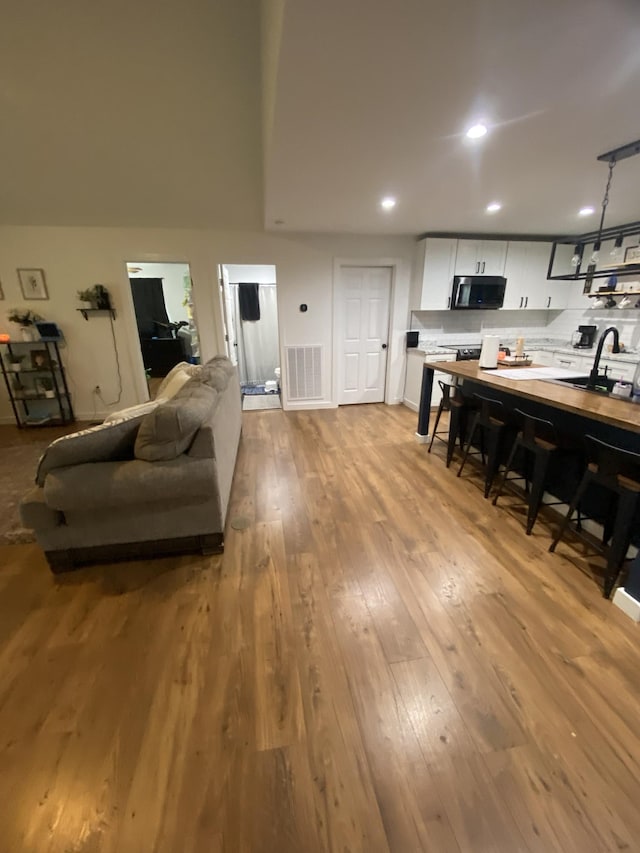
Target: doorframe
[338,263]
[140,385]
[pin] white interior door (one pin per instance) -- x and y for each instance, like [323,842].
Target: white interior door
[363,330]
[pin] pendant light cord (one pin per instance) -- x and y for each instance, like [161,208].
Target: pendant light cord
[605,200]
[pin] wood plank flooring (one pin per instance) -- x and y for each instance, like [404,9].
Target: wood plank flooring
[381,661]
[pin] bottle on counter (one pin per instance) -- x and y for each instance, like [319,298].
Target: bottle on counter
[519,347]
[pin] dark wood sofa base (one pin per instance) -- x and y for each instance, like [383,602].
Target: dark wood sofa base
[75,558]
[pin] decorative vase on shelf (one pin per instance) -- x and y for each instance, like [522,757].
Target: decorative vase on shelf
[27,333]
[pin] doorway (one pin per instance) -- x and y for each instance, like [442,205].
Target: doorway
[250,311]
[163,304]
[362,332]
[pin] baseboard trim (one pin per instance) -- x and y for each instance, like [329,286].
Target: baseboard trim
[627,603]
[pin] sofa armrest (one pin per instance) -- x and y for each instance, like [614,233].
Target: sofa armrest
[98,485]
[35,513]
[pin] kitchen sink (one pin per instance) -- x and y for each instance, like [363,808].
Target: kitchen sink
[604,386]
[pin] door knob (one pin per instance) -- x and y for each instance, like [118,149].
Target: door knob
[384,346]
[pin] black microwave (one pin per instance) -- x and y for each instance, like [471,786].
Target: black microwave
[478,291]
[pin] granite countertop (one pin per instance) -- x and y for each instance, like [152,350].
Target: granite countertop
[546,344]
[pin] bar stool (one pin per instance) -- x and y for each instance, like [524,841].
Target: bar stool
[537,439]
[490,420]
[453,402]
[618,471]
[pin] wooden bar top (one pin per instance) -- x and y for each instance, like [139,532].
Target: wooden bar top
[599,407]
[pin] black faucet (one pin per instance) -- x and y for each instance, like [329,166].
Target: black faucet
[594,375]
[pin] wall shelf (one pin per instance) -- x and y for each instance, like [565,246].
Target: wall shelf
[613,293]
[87,311]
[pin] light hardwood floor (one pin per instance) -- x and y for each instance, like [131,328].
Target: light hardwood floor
[381,661]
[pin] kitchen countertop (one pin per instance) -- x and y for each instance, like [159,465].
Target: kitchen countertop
[533,344]
[622,414]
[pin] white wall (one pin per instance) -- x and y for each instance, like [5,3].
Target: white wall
[251,273]
[172,276]
[74,258]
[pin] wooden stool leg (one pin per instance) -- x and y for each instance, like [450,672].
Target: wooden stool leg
[455,427]
[574,503]
[435,426]
[540,466]
[494,442]
[468,444]
[620,539]
[507,469]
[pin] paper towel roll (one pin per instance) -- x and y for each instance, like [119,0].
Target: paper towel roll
[489,352]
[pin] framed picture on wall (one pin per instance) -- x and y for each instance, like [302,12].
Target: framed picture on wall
[32,283]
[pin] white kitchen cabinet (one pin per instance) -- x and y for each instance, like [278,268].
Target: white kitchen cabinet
[572,362]
[436,259]
[544,357]
[413,379]
[526,273]
[618,369]
[480,257]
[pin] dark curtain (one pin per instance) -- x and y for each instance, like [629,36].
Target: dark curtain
[151,311]
[249,302]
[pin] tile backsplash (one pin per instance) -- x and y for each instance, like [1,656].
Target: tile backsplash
[468,327]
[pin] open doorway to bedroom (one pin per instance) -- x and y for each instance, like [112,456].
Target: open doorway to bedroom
[250,309]
[165,317]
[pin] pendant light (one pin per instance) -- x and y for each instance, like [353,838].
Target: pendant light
[630,232]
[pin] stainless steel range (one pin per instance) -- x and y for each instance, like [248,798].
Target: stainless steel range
[464,352]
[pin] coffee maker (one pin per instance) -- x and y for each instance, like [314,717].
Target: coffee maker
[584,337]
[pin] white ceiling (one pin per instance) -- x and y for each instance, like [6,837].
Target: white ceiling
[149,113]
[131,112]
[373,98]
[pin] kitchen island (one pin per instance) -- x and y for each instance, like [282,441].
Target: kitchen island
[610,416]
[574,413]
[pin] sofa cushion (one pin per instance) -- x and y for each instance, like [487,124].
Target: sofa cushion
[100,486]
[169,430]
[215,372]
[106,442]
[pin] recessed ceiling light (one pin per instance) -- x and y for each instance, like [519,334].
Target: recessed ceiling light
[476,131]
[494,207]
[388,203]
[586,211]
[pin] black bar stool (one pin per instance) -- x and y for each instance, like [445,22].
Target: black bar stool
[453,402]
[538,440]
[618,471]
[490,420]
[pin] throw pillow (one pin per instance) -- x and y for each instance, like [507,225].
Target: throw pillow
[133,411]
[167,379]
[179,378]
[113,441]
[169,430]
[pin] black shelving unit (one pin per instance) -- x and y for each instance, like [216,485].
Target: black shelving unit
[38,391]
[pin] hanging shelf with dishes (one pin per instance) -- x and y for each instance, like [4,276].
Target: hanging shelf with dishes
[608,252]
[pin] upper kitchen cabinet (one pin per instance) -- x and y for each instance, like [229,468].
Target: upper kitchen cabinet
[435,264]
[480,257]
[526,273]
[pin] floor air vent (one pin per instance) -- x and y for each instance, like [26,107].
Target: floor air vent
[304,373]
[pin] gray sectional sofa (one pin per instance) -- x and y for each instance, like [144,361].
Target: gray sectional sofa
[150,481]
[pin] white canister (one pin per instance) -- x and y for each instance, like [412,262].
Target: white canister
[489,352]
